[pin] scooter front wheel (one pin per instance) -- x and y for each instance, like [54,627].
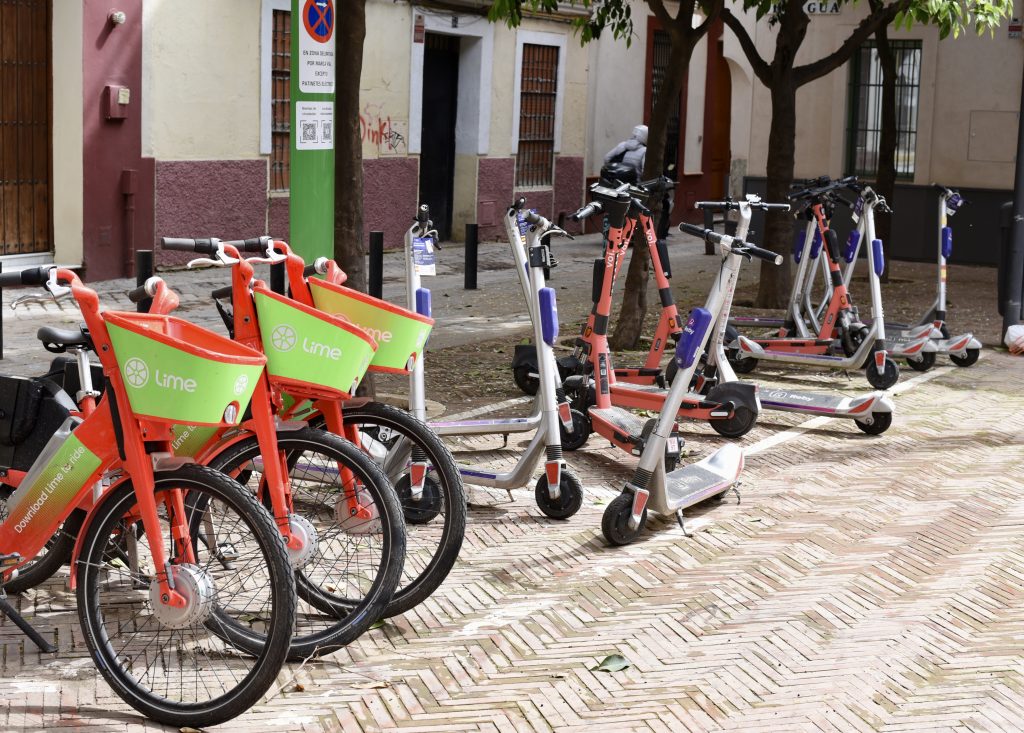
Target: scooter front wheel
[879,423]
[523,379]
[886,378]
[615,522]
[570,497]
[581,430]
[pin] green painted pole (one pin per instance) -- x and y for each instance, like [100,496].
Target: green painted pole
[311,203]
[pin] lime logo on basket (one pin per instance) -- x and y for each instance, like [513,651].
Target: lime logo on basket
[283,337]
[136,372]
[241,383]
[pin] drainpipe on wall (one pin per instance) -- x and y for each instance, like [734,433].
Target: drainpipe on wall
[1015,287]
[129,182]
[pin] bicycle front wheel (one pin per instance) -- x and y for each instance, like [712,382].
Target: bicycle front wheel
[174,665]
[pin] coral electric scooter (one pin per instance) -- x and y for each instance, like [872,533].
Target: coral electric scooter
[558,492]
[872,412]
[652,485]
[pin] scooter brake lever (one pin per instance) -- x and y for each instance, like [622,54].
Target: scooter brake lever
[556,231]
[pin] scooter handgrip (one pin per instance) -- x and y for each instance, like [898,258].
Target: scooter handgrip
[221,293]
[774,207]
[423,214]
[687,228]
[762,254]
[594,207]
[181,244]
[723,205]
[532,217]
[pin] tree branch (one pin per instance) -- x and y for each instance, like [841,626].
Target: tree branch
[761,68]
[713,10]
[661,13]
[879,16]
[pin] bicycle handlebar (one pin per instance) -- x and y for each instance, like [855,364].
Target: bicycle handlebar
[37,276]
[255,245]
[220,293]
[205,245]
[738,245]
[146,290]
[735,205]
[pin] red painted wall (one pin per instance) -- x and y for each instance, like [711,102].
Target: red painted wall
[112,55]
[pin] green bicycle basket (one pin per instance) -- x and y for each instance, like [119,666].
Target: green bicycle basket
[177,372]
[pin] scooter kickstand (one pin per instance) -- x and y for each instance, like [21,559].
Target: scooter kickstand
[735,488]
[682,523]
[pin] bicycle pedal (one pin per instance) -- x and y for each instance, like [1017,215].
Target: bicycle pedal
[10,560]
[226,554]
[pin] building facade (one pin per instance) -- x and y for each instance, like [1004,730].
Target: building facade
[170,117]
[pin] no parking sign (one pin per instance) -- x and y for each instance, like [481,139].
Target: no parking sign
[316,47]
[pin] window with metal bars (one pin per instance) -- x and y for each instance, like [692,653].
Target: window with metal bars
[280,100]
[535,159]
[864,128]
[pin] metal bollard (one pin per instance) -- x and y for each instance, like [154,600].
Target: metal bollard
[472,247]
[143,271]
[277,283]
[375,276]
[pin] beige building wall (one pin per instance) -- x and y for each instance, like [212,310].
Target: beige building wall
[202,84]
[968,103]
[384,84]
[68,179]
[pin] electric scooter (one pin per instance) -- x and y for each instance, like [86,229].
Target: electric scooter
[861,346]
[963,350]
[524,361]
[558,492]
[599,400]
[672,491]
[872,413]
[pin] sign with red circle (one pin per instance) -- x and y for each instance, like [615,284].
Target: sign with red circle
[318,19]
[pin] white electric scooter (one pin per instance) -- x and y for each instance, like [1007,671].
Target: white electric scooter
[559,493]
[651,487]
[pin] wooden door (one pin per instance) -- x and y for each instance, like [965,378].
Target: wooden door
[440,109]
[25,127]
[716,131]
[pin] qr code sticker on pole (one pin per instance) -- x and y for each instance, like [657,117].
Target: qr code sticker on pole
[315,123]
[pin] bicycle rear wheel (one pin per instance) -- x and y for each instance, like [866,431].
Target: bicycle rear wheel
[176,665]
[354,565]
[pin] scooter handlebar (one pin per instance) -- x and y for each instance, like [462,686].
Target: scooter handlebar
[37,276]
[205,245]
[423,214]
[532,217]
[737,245]
[760,253]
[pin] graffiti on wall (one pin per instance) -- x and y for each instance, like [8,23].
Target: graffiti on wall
[382,134]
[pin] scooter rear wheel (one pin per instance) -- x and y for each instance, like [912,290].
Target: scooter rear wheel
[525,382]
[570,496]
[967,360]
[880,422]
[615,522]
[926,362]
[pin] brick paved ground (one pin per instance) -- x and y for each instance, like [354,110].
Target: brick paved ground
[864,584]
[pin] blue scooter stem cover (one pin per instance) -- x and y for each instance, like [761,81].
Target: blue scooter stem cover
[692,340]
[548,316]
[798,246]
[816,244]
[423,304]
[947,242]
[851,245]
[876,245]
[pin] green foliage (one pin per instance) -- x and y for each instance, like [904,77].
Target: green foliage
[612,15]
[951,16]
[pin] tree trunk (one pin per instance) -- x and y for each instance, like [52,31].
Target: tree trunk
[885,176]
[629,326]
[774,283]
[349,246]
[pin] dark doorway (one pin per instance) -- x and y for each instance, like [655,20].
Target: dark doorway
[437,138]
[25,127]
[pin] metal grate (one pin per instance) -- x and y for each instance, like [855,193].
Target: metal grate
[25,126]
[865,121]
[661,54]
[280,101]
[535,160]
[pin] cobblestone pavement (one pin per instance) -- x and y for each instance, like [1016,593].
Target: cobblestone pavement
[863,584]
